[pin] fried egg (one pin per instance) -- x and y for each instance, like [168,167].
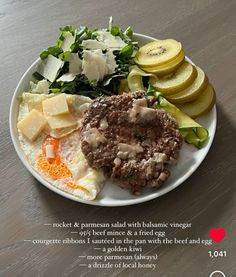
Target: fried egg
[57,157]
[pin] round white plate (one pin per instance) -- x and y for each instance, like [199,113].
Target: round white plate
[112,195]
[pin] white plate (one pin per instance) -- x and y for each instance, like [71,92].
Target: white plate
[112,195]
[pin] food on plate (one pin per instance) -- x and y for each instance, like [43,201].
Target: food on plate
[166,68]
[40,87]
[32,125]
[191,92]
[135,78]
[57,125]
[176,81]
[202,105]
[56,153]
[130,140]
[88,62]
[160,57]
[56,105]
[100,107]
[158,52]
[179,81]
[191,131]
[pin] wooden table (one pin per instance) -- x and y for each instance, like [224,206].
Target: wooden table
[207,199]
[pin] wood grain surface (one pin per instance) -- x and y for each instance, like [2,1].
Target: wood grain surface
[207,29]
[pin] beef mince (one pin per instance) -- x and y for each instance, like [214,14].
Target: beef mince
[130,140]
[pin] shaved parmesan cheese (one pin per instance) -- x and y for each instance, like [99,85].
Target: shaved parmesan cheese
[61,121]
[67,77]
[75,64]
[109,40]
[32,125]
[75,68]
[49,68]
[55,106]
[93,44]
[69,39]
[77,105]
[105,40]
[94,65]
[111,62]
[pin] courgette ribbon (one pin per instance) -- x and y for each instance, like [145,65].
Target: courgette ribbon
[192,132]
[135,78]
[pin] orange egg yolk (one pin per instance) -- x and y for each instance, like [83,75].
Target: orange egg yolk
[55,167]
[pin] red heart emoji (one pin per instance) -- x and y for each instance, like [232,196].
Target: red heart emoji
[217,235]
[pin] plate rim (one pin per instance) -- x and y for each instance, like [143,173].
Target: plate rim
[129,202]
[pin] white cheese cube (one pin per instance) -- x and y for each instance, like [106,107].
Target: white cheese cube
[32,125]
[55,106]
[61,121]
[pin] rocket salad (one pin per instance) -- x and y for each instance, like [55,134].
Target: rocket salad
[91,62]
[104,62]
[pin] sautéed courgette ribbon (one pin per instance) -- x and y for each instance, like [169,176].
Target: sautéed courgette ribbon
[191,131]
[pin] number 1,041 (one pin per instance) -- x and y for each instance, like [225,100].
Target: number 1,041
[217,254]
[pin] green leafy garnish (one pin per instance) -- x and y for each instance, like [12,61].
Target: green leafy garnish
[64,56]
[68,28]
[53,50]
[126,52]
[126,35]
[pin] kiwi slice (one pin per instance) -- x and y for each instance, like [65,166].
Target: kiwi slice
[166,68]
[179,80]
[158,52]
[202,105]
[192,92]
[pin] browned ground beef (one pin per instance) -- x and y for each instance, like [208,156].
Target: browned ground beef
[132,150]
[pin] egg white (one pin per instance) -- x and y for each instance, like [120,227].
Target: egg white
[69,149]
